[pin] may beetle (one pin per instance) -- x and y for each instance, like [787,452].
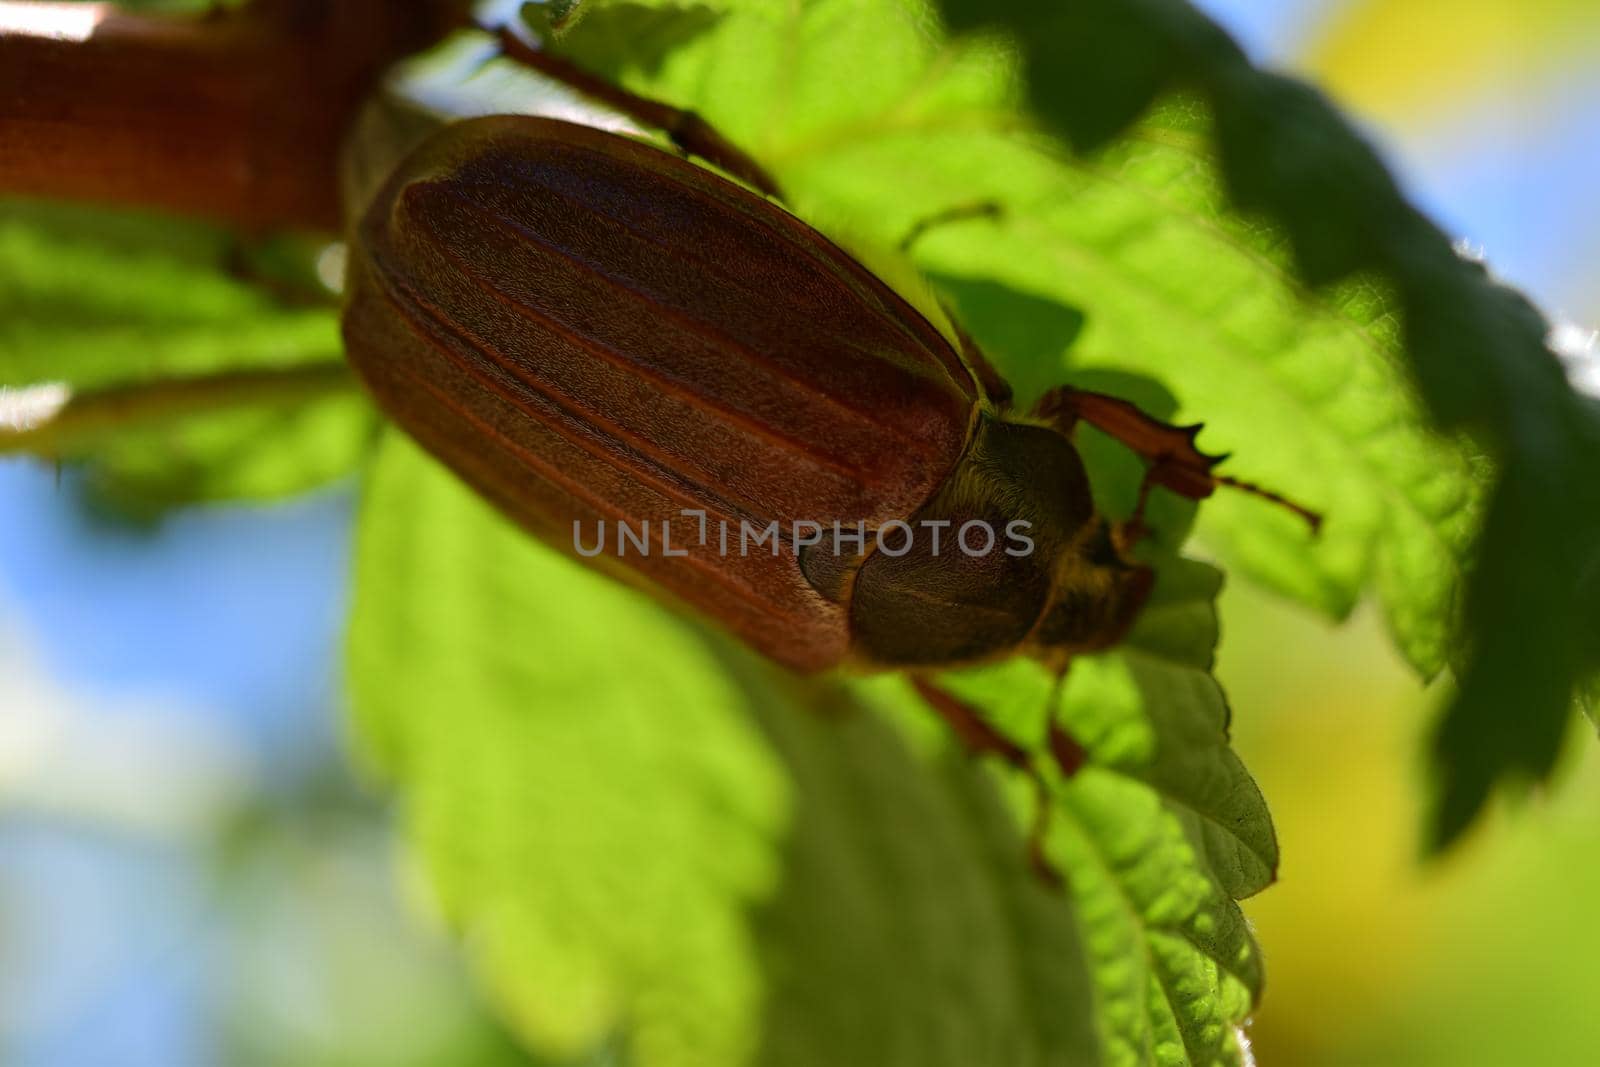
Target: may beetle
[601,336]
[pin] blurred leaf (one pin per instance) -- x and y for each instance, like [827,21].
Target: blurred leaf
[1159,832]
[322,954]
[553,18]
[1404,59]
[1475,350]
[261,452]
[636,828]
[187,383]
[95,297]
[612,36]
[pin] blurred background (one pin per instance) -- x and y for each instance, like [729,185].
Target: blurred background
[189,875]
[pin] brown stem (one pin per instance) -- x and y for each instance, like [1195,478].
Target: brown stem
[235,116]
[686,129]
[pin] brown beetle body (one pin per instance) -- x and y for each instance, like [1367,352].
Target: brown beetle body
[588,329]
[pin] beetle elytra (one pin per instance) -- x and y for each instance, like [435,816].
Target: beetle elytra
[589,329]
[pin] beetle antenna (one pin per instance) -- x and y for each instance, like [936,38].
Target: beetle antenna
[1313,518]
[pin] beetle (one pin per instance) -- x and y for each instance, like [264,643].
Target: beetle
[587,328]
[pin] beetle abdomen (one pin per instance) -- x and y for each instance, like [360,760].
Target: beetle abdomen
[587,328]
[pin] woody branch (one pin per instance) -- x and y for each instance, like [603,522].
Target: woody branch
[234,116]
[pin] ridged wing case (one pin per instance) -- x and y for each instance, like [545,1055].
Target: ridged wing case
[587,328]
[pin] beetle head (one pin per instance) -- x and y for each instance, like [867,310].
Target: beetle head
[1097,598]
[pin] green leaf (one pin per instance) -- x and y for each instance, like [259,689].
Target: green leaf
[184,382]
[1305,396]
[1309,396]
[553,18]
[1476,352]
[1307,390]
[1161,830]
[640,829]
[259,451]
[1158,835]
[614,36]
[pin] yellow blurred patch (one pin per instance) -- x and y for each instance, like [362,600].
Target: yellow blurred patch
[1405,61]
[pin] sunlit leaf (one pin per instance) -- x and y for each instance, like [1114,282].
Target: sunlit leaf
[1307,395]
[1307,391]
[639,830]
[615,35]
[1475,351]
[1159,833]
[1156,838]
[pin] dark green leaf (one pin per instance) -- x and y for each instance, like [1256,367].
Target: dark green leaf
[1476,350]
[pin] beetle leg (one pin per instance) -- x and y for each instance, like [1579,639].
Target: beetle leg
[979,739]
[1064,748]
[1038,831]
[1133,529]
[975,735]
[1174,461]
[993,383]
[686,129]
